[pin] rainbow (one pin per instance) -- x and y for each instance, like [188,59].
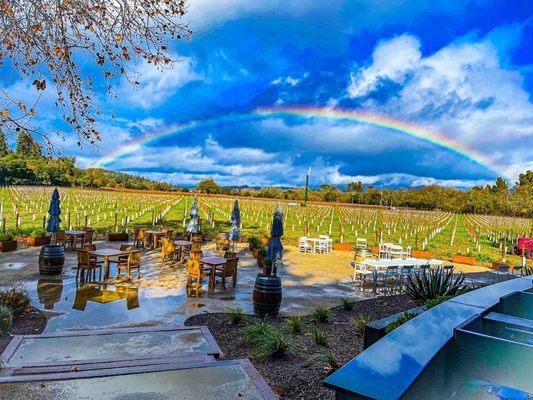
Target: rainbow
[339,114]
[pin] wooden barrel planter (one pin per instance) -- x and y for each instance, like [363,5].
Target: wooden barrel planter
[35,241]
[51,260]
[267,295]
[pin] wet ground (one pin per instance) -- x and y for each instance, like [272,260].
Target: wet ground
[160,297]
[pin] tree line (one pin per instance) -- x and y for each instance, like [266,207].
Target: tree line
[497,199]
[27,165]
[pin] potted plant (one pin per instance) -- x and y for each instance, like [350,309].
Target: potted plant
[16,298]
[121,236]
[7,241]
[38,238]
[254,244]
[261,256]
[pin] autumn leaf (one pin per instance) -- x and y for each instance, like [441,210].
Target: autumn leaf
[119,37]
[5,113]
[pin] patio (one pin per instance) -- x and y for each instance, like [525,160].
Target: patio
[160,296]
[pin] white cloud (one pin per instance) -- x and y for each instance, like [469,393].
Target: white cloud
[462,91]
[156,84]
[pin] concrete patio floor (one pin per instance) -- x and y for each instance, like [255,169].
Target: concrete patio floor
[160,296]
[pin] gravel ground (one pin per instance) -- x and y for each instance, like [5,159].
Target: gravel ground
[299,375]
[31,322]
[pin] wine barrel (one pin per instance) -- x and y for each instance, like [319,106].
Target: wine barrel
[267,295]
[51,260]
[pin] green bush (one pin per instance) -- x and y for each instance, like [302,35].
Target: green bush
[402,319]
[7,236]
[320,336]
[347,303]
[295,324]
[255,242]
[435,282]
[484,258]
[328,358]
[321,314]
[435,302]
[253,333]
[38,233]
[236,315]
[360,323]
[272,343]
[6,318]
[15,297]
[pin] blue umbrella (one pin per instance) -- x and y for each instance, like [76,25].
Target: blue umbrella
[275,248]
[54,211]
[235,220]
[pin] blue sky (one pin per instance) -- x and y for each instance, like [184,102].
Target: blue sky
[464,69]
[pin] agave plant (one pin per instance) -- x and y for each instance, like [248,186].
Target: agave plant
[435,282]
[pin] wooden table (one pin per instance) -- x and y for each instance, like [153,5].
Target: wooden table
[106,254]
[72,235]
[155,236]
[213,262]
[182,244]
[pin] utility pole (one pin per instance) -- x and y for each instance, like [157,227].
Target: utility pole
[307,186]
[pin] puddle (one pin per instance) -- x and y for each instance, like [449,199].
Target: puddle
[17,265]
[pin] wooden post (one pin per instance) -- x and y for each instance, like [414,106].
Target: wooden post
[4,225]
[116,217]
[44,221]
[17,220]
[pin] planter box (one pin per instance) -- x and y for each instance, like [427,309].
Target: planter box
[118,237]
[37,241]
[495,265]
[463,260]
[424,254]
[8,245]
[375,330]
[342,246]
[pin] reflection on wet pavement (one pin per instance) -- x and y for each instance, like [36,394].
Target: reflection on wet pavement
[161,297]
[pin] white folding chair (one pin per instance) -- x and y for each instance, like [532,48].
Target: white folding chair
[360,271]
[303,245]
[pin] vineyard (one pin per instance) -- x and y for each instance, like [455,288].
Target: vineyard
[24,210]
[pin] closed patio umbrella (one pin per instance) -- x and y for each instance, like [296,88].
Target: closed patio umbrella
[275,248]
[235,220]
[54,220]
[193,226]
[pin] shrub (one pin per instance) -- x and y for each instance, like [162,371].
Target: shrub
[321,314]
[15,297]
[320,336]
[272,344]
[236,315]
[328,358]
[252,333]
[435,282]
[484,258]
[38,233]
[402,319]
[360,323]
[347,303]
[295,324]
[6,318]
[255,242]
[7,236]
[435,302]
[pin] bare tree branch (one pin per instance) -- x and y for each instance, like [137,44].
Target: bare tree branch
[49,41]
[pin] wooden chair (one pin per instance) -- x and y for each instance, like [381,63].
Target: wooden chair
[230,254]
[122,259]
[142,239]
[196,255]
[60,238]
[168,249]
[91,247]
[86,264]
[228,270]
[87,238]
[133,262]
[195,273]
[196,246]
